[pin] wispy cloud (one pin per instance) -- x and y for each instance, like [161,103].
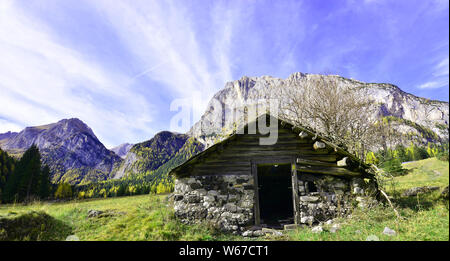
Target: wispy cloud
[440,74]
[43,81]
[164,32]
[117,66]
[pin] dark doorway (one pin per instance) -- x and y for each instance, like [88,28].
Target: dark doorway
[275,195]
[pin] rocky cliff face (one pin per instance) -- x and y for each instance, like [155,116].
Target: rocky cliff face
[150,155]
[414,113]
[7,135]
[70,148]
[122,149]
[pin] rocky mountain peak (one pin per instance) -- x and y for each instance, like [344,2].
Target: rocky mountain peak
[122,149]
[414,114]
[66,146]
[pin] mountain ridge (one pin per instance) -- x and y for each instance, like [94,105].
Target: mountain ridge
[76,155]
[69,147]
[388,99]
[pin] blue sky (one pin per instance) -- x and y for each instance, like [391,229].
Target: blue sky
[117,65]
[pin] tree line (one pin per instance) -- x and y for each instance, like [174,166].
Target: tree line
[391,159]
[25,179]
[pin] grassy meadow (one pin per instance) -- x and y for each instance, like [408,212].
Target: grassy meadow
[150,217]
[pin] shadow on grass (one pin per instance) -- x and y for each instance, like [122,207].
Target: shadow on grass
[32,226]
[422,201]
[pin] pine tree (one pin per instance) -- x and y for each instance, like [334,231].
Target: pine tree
[394,167]
[23,183]
[44,183]
[29,183]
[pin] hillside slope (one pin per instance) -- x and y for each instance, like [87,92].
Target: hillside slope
[151,154]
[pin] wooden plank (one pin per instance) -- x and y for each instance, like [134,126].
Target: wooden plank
[296,197]
[279,139]
[327,170]
[302,161]
[279,143]
[225,161]
[256,195]
[222,168]
[325,158]
[214,173]
[330,158]
[278,149]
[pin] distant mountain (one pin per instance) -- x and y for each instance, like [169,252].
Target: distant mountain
[150,155]
[69,147]
[419,119]
[160,175]
[7,135]
[122,149]
[190,148]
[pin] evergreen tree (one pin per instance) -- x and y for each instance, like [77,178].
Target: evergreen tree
[29,183]
[23,184]
[44,183]
[394,167]
[7,165]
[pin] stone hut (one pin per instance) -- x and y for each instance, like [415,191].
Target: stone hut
[239,183]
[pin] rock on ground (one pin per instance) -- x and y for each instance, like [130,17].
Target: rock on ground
[416,190]
[372,238]
[389,232]
[334,228]
[317,229]
[444,193]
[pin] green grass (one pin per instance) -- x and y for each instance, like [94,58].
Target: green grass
[149,217]
[145,217]
[427,172]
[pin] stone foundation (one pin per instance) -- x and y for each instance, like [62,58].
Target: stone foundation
[224,201]
[326,197]
[227,201]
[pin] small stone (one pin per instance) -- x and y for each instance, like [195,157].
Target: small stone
[191,180]
[309,198]
[389,232]
[94,213]
[307,219]
[335,228]
[319,145]
[202,192]
[417,190]
[258,233]
[271,231]
[358,232]
[329,222]
[213,193]
[230,207]
[317,229]
[72,238]
[372,238]
[247,233]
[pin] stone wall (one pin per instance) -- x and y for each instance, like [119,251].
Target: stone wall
[227,201]
[224,201]
[325,197]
